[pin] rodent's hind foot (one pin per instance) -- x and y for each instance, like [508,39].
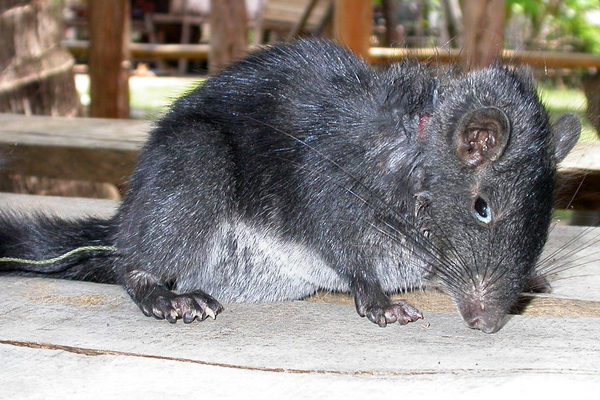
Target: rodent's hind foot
[538,284]
[398,311]
[165,304]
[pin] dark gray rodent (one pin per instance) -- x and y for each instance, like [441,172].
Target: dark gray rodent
[300,168]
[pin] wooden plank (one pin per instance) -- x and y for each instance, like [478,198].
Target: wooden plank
[98,150]
[131,134]
[301,23]
[578,189]
[65,207]
[584,156]
[578,185]
[285,14]
[89,338]
[78,339]
[99,133]
[103,150]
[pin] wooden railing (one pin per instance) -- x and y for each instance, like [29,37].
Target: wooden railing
[378,55]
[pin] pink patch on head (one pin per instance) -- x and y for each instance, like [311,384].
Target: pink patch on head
[423,122]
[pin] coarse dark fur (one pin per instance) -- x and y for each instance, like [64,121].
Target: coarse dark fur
[300,168]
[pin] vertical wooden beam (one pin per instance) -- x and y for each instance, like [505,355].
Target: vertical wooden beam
[109,62]
[352,25]
[390,12]
[297,29]
[452,35]
[228,33]
[483,32]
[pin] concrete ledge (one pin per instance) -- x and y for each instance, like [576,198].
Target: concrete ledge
[62,339]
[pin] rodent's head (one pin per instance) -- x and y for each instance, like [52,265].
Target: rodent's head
[489,187]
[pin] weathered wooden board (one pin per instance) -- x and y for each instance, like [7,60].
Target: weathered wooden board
[75,339]
[129,135]
[64,207]
[62,339]
[99,150]
[580,174]
[73,132]
[104,150]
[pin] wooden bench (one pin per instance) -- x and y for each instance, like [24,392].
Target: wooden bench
[103,150]
[63,339]
[99,150]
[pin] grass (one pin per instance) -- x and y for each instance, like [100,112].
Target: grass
[150,97]
[560,101]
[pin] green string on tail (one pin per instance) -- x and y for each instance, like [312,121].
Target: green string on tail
[59,258]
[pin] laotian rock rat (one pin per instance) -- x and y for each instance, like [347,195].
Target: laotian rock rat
[300,168]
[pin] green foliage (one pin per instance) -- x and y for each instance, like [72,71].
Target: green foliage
[580,27]
[528,7]
[561,21]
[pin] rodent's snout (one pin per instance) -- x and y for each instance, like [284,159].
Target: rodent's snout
[478,315]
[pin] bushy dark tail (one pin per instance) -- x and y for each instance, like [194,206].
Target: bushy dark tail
[41,237]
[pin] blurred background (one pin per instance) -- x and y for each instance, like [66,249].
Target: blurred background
[108,45]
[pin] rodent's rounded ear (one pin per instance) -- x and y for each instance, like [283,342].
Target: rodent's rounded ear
[566,131]
[481,136]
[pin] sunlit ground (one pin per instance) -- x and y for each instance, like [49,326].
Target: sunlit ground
[149,97]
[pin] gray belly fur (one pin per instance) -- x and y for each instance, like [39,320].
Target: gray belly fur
[246,263]
[251,264]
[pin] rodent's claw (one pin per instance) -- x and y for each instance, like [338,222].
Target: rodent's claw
[188,306]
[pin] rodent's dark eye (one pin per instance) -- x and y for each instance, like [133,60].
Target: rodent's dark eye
[482,210]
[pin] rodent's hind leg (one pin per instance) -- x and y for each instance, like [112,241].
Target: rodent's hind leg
[538,284]
[371,302]
[154,299]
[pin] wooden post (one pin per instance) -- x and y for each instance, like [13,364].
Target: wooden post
[390,12]
[108,62]
[352,25]
[228,33]
[451,35]
[483,32]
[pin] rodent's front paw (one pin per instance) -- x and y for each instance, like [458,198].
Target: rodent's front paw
[398,311]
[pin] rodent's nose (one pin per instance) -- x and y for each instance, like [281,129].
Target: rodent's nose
[485,325]
[486,319]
